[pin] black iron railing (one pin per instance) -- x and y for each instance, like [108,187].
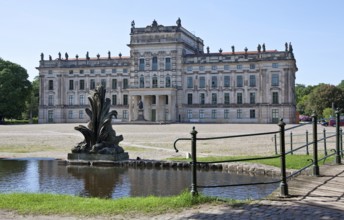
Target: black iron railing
[338,152]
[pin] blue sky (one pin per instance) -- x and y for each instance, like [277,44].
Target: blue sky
[315,29]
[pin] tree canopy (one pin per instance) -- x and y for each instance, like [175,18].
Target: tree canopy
[14,89]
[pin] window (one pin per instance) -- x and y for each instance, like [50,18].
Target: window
[142,64]
[102,70]
[142,81]
[213,67]
[155,63]
[71,99]
[82,84]
[71,84]
[226,114]
[50,115]
[92,84]
[189,99]
[81,114]
[226,82]
[114,71]
[252,66]
[275,115]
[201,82]
[50,100]
[155,82]
[125,114]
[50,72]
[239,67]
[153,99]
[125,70]
[51,85]
[114,83]
[201,68]
[168,82]
[70,71]
[252,113]
[114,99]
[239,98]
[166,99]
[92,71]
[189,68]
[274,65]
[214,98]
[81,71]
[82,100]
[167,63]
[103,83]
[274,97]
[214,82]
[201,113]
[239,113]
[125,83]
[275,79]
[226,101]
[189,82]
[189,114]
[240,81]
[70,114]
[226,67]
[252,98]
[202,98]
[125,99]
[213,113]
[252,81]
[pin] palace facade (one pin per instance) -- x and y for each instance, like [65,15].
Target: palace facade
[174,80]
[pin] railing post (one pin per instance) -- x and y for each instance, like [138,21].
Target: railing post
[194,191]
[275,139]
[315,145]
[338,159]
[291,143]
[307,150]
[283,185]
[325,149]
[341,142]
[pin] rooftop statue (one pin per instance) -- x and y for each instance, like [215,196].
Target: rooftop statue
[99,136]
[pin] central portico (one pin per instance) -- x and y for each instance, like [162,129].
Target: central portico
[158,105]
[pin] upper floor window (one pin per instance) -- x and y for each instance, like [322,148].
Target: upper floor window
[226,102]
[155,82]
[168,82]
[82,84]
[82,100]
[50,100]
[125,99]
[201,82]
[201,68]
[275,79]
[125,83]
[167,63]
[226,81]
[92,84]
[214,82]
[70,71]
[142,81]
[240,81]
[252,81]
[252,66]
[92,71]
[275,98]
[81,71]
[71,84]
[50,72]
[274,65]
[70,99]
[114,99]
[142,64]
[125,70]
[226,67]
[202,98]
[239,67]
[155,63]
[190,99]
[189,68]
[113,70]
[51,85]
[252,98]
[102,70]
[114,83]
[214,98]
[103,83]
[189,82]
[239,98]
[213,67]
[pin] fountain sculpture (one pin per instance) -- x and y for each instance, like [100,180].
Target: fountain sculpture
[100,140]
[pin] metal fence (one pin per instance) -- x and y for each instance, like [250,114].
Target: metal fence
[295,144]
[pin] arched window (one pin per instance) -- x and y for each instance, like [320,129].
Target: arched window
[155,82]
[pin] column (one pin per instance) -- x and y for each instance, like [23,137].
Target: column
[131,112]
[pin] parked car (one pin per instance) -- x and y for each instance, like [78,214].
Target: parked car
[332,121]
[323,122]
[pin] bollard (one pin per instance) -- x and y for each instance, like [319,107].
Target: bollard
[291,143]
[338,159]
[315,145]
[194,191]
[307,150]
[325,149]
[283,185]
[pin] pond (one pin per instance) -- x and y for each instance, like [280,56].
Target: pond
[51,176]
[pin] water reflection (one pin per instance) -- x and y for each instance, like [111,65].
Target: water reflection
[48,176]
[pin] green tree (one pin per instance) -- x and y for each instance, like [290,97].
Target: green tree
[327,113]
[32,101]
[323,96]
[14,89]
[341,85]
[302,92]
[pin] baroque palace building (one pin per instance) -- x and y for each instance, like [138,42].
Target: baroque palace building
[168,77]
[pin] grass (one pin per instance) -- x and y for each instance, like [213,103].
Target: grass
[292,161]
[129,148]
[24,149]
[51,204]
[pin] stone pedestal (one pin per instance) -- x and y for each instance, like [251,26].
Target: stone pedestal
[141,116]
[97,157]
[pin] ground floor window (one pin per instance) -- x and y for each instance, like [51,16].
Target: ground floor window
[213,114]
[50,115]
[239,113]
[189,114]
[275,115]
[226,114]
[125,114]
[252,113]
[70,114]
[201,113]
[81,114]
